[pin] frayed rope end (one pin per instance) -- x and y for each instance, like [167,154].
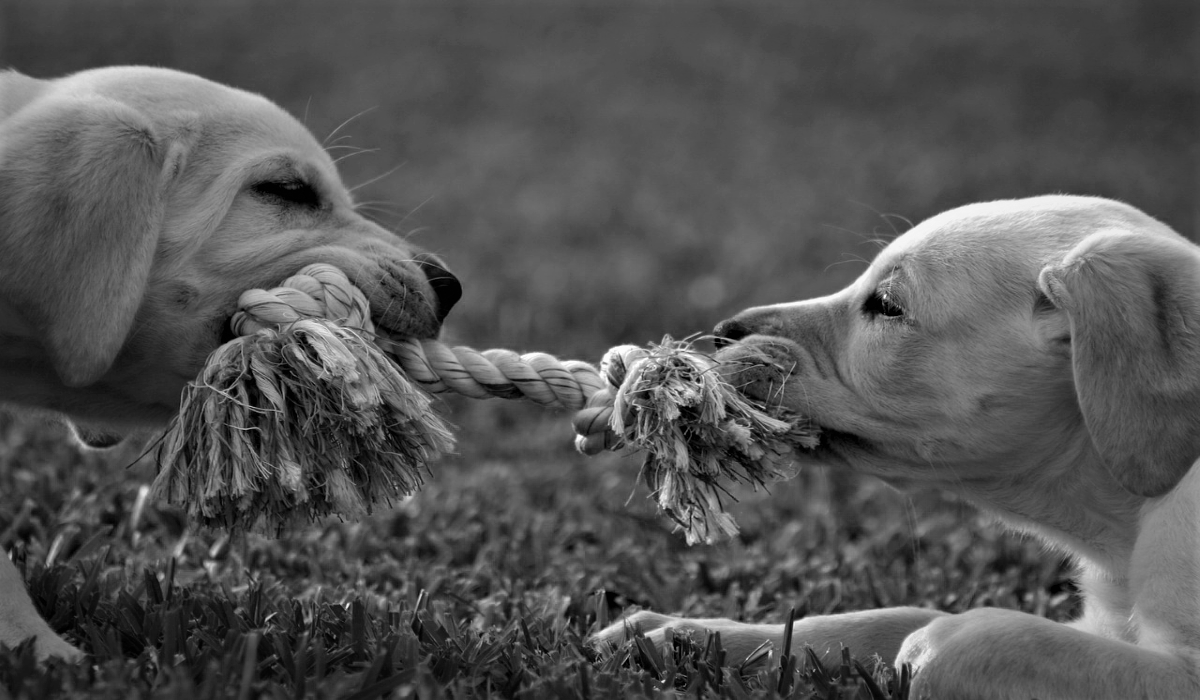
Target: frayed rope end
[698,432]
[286,426]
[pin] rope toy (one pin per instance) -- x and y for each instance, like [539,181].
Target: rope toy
[301,416]
[678,407]
[310,413]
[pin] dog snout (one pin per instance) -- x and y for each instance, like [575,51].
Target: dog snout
[756,321]
[730,331]
[443,282]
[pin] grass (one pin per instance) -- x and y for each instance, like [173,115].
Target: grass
[595,173]
[487,582]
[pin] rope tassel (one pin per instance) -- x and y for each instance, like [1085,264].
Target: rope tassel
[695,429]
[302,416]
[309,413]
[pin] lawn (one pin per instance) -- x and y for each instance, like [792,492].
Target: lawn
[596,173]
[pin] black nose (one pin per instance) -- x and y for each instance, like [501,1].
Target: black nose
[730,331]
[444,284]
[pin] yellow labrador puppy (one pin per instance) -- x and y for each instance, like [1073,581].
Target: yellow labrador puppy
[136,204]
[1040,357]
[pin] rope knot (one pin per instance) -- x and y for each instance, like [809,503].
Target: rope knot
[317,291]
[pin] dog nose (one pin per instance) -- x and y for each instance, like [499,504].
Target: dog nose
[443,282]
[730,331]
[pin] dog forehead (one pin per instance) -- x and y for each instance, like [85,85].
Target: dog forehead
[172,99]
[979,256]
[1019,235]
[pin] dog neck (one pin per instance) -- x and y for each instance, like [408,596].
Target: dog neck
[1073,504]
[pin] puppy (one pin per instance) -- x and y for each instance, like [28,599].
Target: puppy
[136,204]
[1041,358]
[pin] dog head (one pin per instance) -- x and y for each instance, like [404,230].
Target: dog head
[136,204]
[996,342]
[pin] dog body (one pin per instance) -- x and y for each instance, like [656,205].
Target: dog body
[136,204]
[1041,358]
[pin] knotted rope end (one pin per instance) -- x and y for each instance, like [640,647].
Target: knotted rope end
[697,430]
[303,417]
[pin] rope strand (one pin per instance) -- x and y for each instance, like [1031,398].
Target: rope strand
[322,291]
[544,379]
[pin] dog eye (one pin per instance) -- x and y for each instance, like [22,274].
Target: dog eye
[290,191]
[881,304]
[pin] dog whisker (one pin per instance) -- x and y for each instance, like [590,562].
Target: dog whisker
[341,126]
[375,179]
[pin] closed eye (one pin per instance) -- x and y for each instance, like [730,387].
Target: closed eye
[881,303]
[297,192]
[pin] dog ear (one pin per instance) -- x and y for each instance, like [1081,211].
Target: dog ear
[82,184]
[1133,301]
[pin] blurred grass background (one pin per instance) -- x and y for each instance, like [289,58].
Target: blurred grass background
[599,173]
[607,172]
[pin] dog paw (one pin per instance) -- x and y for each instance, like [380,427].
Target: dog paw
[55,647]
[741,642]
[652,625]
[32,629]
[46,645]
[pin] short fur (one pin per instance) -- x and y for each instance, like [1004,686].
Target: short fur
[1046,366]
[136,204]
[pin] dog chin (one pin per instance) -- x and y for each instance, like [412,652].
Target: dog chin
[95,438]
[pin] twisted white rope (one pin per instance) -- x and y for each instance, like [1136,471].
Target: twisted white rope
[323,291]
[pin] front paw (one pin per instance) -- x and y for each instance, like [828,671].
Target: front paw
[963,655]
[46,644]
[644,622]
[52,646]
[948,633]
[926,644]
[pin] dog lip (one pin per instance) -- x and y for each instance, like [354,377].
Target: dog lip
[769,353]
[95,438]
[407,322]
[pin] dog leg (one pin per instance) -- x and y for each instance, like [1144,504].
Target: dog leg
[19,620]
[866,633]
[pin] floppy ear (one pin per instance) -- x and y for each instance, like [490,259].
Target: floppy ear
[81,205]
[1134,306]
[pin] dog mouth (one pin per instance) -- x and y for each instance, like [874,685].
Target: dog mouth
[399,308]
[759,367]
[762,368]
[406,306]
[408,297]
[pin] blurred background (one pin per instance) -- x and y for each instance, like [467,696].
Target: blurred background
[607,172]
[599,173]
